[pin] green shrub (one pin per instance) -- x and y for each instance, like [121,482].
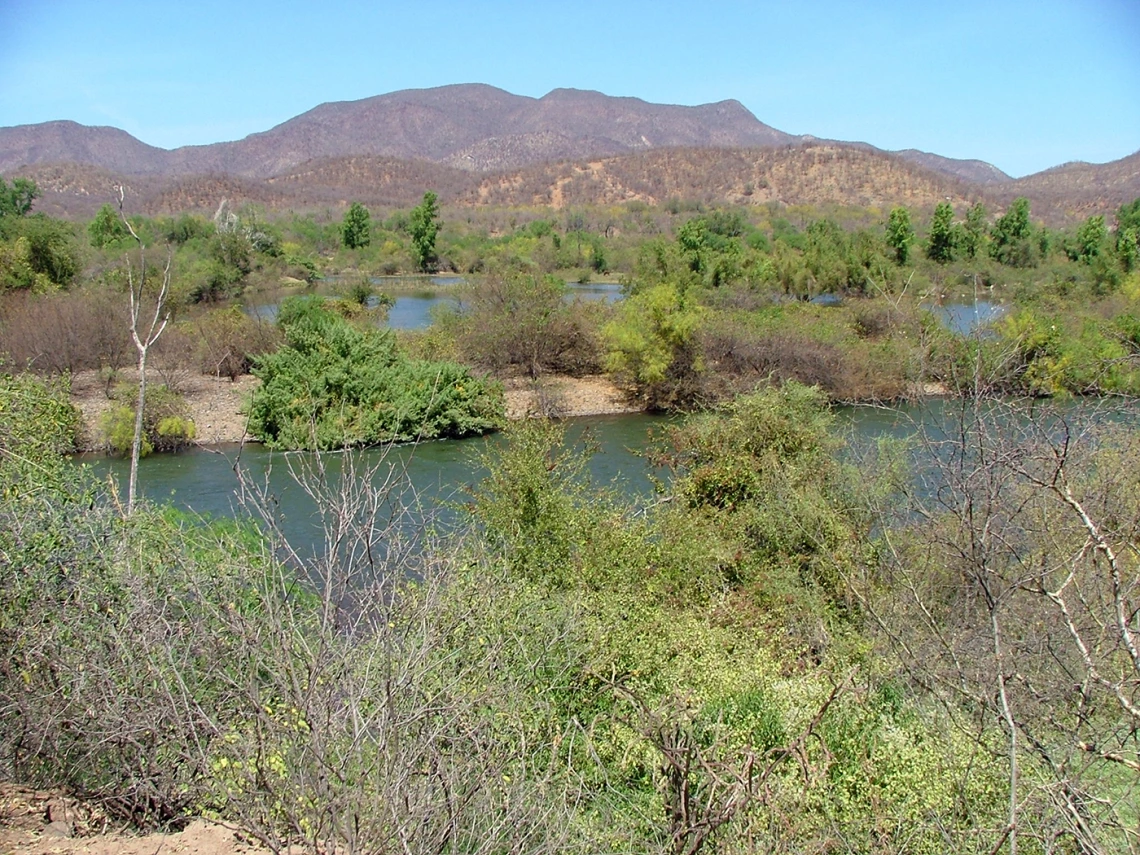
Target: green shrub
[332,385]
[166,426]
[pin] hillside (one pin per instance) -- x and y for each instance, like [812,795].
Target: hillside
[478,145]
[808,174]
[469,126]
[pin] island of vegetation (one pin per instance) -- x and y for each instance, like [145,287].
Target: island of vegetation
[924,646]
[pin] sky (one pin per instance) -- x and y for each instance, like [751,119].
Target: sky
[1022,85]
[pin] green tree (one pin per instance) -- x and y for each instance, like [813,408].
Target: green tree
[940,245]
[106,228]
[424,226]
[974,231]
[357,226]
[652,345]
[900,233]
[333,385]
[1128,235]
[1010,235]
[1092,236]
[16,199]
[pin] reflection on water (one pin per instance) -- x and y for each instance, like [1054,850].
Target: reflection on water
[429,478]
[969,317]
[414,297]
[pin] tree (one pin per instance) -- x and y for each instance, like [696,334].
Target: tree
[424,225]
[1007,588]
[900,233]
[974,231]
[1010,235]
[16,200]
[940,245]
[356,229]
[143,339]
[1092,236]
[106,228]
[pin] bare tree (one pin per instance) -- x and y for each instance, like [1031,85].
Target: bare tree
[1008,589]
[143,338]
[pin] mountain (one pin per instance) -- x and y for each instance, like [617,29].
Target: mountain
[71,142]
[476,144]
[974,171]
[1078,190]
[469,126]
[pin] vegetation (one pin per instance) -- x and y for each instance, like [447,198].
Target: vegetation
[336,385]
[776,656]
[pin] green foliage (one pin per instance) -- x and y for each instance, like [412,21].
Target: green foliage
[423,225]
[332,385]
[107,228]
[356,229]
[37,253]
[16,199]
[1091,240]
[761,473]
[940,243]
[651,345]
[166,426]
[900,234]
[975,231]
[1010,236]
[36,417]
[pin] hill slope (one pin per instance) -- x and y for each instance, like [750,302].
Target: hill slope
[470,126]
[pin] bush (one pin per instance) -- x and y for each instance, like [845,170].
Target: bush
[521,323]
[166,426]
[332,385]
[66,332]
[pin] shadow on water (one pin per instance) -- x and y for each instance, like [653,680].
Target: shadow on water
[424,482]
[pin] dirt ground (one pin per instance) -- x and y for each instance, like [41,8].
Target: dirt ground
[216,404]
[39,822]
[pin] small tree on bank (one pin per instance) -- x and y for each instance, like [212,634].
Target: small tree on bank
[142,339]
[424,226]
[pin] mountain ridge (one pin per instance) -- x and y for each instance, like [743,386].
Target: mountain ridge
[499,139]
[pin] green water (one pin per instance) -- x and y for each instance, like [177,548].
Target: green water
[431,478]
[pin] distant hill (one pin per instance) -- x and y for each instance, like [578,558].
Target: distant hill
[974,171]
[1078,190]
[818,173]
[469,126]
[475,144]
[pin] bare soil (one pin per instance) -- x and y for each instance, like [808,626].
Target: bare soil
[217,405]
[46,822]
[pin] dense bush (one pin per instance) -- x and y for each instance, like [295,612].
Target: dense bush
[333,385]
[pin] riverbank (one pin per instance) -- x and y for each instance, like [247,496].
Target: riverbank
[216,404]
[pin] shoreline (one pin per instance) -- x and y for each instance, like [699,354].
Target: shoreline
[215,404]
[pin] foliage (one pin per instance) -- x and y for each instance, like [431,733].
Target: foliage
[356,229]
[107,228]
[1002,573]
[651,345]
[37,253]
[940,243]
[900,234]
[166,425]
[521,322]
[332,385]
[1010,236]
[16,198]
[423,226]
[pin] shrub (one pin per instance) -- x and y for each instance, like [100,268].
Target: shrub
[332,385]
[166,426]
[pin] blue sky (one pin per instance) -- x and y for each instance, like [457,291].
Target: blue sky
[1023,85]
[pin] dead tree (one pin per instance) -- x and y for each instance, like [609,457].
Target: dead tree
[142,339]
